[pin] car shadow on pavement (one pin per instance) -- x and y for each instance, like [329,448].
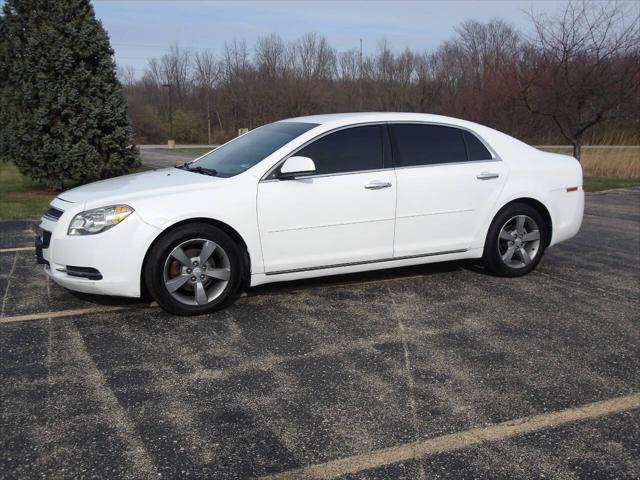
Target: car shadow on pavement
[373,276]
[109,300]
[280,288]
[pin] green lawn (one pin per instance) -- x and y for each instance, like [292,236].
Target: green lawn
[195,151]
[596,184]
[21,198]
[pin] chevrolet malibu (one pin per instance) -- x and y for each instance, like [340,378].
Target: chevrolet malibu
[314,196]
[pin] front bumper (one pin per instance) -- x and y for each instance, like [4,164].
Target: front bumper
[116,255]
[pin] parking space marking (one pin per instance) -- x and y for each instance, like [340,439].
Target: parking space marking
[16,249]
[71,312]
[6,291]
[104,309]
[455,441]
[411,385]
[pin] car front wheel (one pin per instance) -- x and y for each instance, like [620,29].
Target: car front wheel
[516,241]
[193,270]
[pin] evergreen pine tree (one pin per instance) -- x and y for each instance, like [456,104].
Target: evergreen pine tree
[63,116]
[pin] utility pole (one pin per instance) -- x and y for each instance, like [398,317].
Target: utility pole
[360,79]
[171,142]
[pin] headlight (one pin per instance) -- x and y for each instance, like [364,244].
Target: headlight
[98,220]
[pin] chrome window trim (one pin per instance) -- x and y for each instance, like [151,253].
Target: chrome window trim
[325,175]
[364,262]
[496,157]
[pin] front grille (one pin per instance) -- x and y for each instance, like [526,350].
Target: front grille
[53,214]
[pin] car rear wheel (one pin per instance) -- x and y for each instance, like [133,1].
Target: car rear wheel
[516,241]
[193,270]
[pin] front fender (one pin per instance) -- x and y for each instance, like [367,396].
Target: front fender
[234,207]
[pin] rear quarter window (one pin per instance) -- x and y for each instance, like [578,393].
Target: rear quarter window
[475,148]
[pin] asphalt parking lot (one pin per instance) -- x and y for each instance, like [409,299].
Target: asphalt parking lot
[408,373]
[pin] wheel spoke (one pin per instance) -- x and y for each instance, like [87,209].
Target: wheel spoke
[520,224]
[524,256]
[218,273]
[508,255]
[207,249]
[179,255]
[531,236]
[175,283]
[201,294]
[504,235]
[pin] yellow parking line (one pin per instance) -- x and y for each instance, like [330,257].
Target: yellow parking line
[71,312]
[421,448]
[17,249]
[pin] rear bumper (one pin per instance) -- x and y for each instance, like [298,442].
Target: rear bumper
[568,210]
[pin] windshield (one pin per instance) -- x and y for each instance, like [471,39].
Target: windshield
[247,150]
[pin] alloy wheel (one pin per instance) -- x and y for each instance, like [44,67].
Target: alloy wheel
[197,271]
[519,241]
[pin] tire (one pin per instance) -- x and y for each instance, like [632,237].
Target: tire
[183,285]
[516,241]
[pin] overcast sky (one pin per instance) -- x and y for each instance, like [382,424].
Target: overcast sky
[143,29]
[140,29]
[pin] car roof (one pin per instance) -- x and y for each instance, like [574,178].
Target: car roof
[340,119]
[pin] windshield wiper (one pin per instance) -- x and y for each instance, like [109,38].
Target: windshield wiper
[204,171]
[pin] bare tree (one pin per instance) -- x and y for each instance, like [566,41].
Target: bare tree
[582,66]
[271,56]
[173,68]
[315,58]
[127,75]
[236,71]
[206,76]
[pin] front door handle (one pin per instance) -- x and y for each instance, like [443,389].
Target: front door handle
[377,185]
[487,176]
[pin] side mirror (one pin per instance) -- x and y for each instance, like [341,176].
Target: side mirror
[295,167]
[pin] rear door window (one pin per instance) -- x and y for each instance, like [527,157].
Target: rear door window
[421,144]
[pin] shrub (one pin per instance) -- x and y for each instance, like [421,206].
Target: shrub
[64,118]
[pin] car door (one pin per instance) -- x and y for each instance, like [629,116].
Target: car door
[448,182]
[342,214]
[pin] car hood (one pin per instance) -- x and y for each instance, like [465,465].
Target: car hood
[144,184]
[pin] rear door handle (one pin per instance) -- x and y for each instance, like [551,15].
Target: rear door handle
[487,176]
[377,185]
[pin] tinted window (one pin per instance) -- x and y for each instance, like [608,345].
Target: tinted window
[475,149]
[235,157]
[350,150]
[417,144]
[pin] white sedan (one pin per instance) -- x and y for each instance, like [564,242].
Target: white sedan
[309,197]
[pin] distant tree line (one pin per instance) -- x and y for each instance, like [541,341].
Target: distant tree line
[577,79]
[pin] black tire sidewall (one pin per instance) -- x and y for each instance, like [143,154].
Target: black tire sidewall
[153,274]
[491,256]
